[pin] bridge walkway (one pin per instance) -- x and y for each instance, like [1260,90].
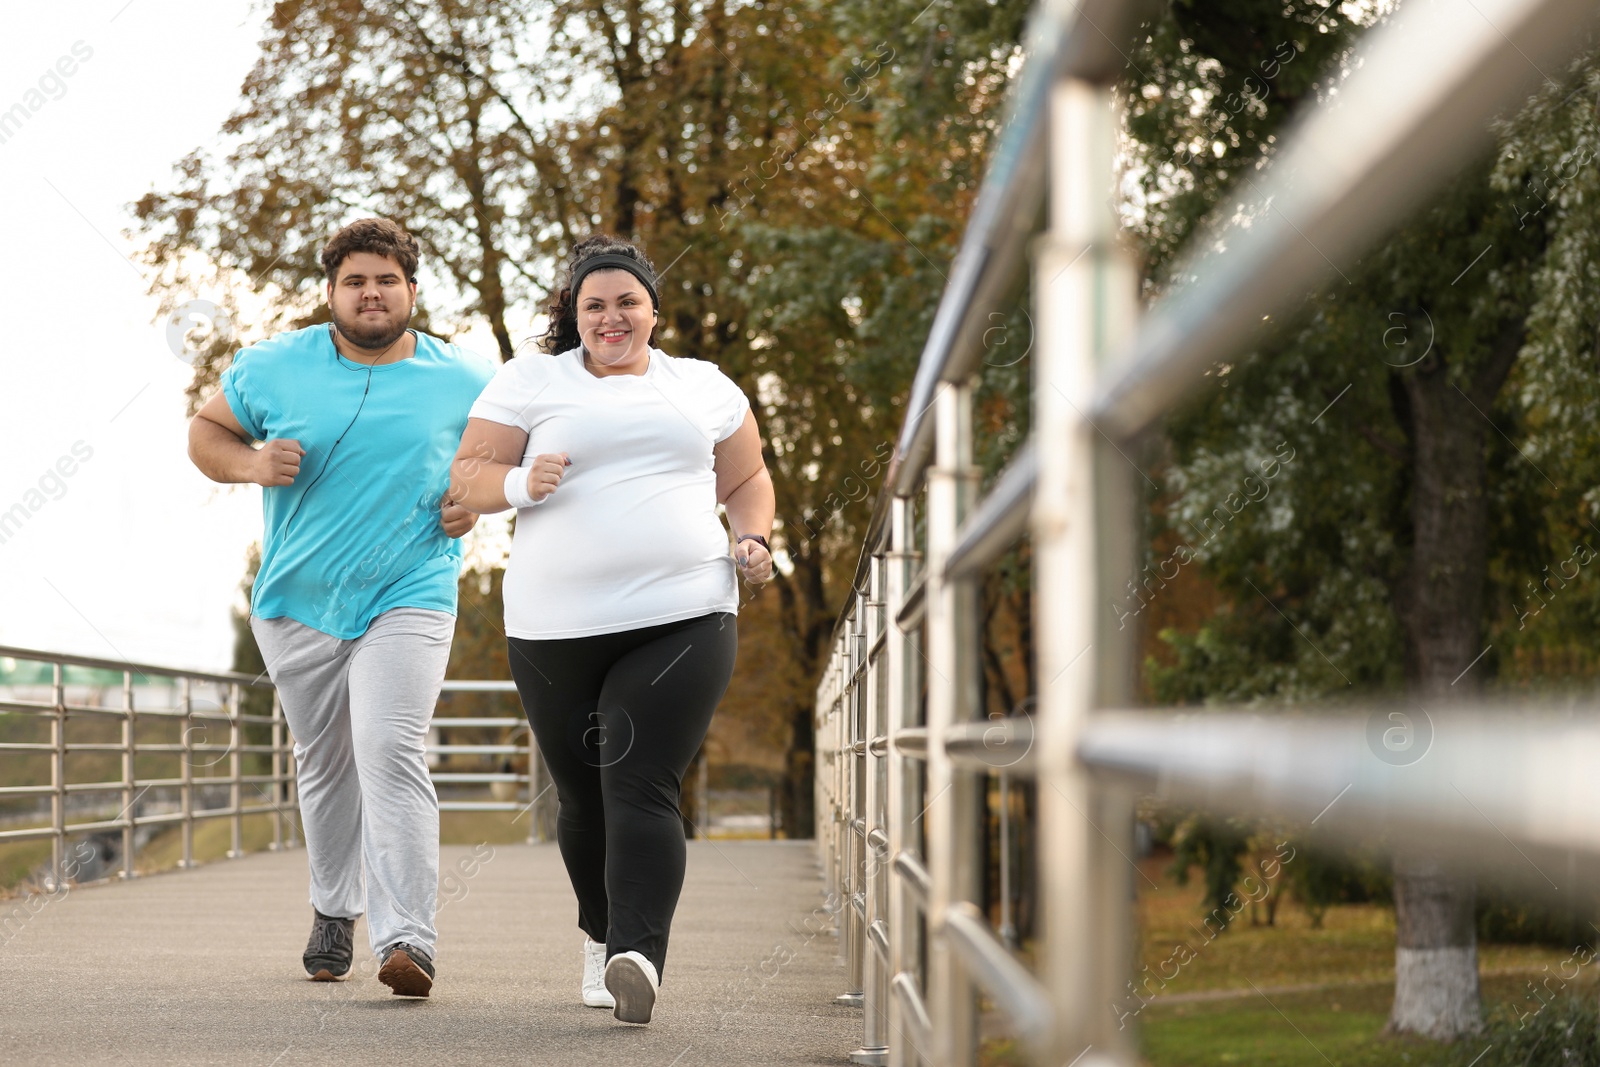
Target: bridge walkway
[203,967]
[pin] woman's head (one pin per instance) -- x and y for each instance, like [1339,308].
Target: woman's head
[606,301]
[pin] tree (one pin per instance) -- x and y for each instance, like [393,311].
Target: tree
[718,134]
[1404,412]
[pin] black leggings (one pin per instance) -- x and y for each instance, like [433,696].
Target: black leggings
[618,718]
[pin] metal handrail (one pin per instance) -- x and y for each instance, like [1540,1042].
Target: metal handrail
[271,793]
[1341,177]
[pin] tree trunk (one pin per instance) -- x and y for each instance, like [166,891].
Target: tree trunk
[1440,607]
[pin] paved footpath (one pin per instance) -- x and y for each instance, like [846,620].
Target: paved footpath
[203,967]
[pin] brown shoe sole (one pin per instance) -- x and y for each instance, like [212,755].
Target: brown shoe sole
[326,975]
[402,975]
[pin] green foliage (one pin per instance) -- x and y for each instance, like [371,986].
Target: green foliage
[1506,917]
[1217,847]
[1563,1033]
[1318,573]
[1206,92]
[1320,878]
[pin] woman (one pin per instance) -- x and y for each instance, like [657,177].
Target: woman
[621,594]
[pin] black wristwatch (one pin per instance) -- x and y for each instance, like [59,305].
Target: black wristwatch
[762,541]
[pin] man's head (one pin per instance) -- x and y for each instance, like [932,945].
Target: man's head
[371,266]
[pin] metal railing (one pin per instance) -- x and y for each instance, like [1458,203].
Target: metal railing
[249,760]
[903,757]
[198,703]
[511,729]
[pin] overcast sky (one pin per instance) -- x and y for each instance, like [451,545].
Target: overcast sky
[130,553]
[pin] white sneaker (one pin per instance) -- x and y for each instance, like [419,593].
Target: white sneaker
[594,975]
[633,982]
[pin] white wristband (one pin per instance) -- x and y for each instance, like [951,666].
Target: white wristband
[517,488]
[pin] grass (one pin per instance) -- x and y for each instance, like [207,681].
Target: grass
[1288,995]
[19,859]
[213,839]
[1338,1025]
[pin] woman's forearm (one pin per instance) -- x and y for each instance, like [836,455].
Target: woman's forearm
[752,505]
[479,485]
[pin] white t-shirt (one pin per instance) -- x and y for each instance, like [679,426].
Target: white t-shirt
[631,537]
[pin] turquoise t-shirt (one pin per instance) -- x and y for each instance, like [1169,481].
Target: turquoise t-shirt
[358,535]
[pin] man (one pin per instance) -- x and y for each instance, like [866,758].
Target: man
[354,604]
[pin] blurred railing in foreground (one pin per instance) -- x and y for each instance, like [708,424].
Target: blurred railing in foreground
[903,756]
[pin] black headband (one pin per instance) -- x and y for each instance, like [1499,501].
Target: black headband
[613,261]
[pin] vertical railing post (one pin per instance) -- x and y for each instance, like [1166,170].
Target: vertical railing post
[186,772]
[1085,289]
[952,815]
[58,777]
[853,929]
[904,784]
[235,792]
[292,781]
[1008,924]
[129,798]
[533,789]
[279,793]
[874,1048]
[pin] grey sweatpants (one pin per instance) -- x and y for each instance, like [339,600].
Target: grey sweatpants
[359,710]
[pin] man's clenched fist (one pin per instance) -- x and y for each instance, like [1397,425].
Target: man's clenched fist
[455,519]
[277,462]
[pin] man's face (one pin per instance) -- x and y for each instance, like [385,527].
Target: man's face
[371,300]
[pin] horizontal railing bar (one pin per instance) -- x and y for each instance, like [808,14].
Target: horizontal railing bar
[25,790]
[878,746]
[481,805]
[1062,37]
[1400,126]
[471,686]
[1009,984]
[993,745]
[80,711]
[878,934]
[34,655]
[443,722]
[486,776]
[912,741]
[915,604]
[1488,778]
[27,834]
[909,866]
[481,750]
[878,840]
[1000,519]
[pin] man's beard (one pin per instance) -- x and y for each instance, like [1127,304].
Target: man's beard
[374,336]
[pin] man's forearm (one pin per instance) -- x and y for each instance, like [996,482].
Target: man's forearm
[219,454]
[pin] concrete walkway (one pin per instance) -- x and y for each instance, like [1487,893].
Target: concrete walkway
[203,967]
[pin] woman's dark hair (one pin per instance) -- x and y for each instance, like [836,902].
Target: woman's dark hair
[562,334]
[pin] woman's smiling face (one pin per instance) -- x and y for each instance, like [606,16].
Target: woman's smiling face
[615,317]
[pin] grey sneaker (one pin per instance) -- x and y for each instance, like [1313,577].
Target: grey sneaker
[407,970]
[631,980]
[328,952]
